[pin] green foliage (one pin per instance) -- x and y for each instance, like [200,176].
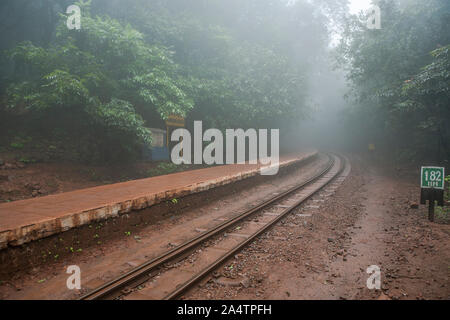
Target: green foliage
[397,83]
[120,117]
[17,145]
[96,90]
[232,77]
[158,89]
[164,168]
[101,76]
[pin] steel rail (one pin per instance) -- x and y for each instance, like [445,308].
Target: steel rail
[141,273]
[203,273]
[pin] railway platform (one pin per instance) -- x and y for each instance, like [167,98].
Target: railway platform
[33,219]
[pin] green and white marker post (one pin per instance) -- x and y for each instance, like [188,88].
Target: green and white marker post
[432,188]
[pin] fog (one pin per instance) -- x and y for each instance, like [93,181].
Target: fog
[99,84]
[325,128]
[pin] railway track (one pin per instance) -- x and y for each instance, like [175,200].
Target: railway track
[166,277]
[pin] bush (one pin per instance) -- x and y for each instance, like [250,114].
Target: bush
[94,84]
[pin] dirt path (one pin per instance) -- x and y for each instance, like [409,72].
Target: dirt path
[370,220]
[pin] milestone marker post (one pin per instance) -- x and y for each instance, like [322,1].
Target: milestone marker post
[431,210]
[432,188]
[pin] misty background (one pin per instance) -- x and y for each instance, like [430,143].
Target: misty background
[309,67]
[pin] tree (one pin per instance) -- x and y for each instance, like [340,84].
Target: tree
[97,79]
[382,65]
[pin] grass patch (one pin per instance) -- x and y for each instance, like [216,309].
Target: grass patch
[165,168]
